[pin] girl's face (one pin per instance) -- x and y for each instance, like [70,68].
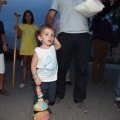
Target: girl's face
[46,37]
[28,17]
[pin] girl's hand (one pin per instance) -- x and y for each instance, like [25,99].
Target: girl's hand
[56,44]
[16,27]
[38,81]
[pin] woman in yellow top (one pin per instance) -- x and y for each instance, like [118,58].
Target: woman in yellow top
[27,30]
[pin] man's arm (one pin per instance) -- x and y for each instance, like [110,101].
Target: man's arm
[4,42]
[50,17]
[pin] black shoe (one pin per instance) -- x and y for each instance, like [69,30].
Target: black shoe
[68,82]
[57,100]
[49,110]
[6,93]
[117,103]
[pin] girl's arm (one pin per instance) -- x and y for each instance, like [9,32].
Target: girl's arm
[19,33]
[56,44]
[33,69]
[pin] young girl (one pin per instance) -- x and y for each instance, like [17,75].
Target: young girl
[28,32]
[44,63]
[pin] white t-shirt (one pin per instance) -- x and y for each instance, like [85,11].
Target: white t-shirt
[47,66]
[70,20]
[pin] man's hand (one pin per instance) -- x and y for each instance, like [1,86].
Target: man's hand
[5,47]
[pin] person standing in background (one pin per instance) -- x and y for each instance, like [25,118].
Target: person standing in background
[102,37]
[75,41]
[56,26]
[3,48]
[28,31]
[117,91]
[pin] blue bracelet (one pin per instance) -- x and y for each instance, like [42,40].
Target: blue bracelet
[34,74]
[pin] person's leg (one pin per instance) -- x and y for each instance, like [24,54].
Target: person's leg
[44,88]
[81,59]
[96,56]
[45,91]
[117,91]
[64,56]
[2,71]
[25,68]
[103,58]
[2,75]
[68,78]
[117,88]
[24,71]
[68,81]
[29,61]
[21,63]
[51,92]
[68,75]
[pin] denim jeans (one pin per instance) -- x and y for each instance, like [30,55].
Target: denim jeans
[48,89]
[77,46]
[117,88]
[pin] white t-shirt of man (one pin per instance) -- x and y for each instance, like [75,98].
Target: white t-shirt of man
[70,20]
[47,66]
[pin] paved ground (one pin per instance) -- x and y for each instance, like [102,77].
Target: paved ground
[19,104]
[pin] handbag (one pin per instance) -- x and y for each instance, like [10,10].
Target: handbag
[89,7]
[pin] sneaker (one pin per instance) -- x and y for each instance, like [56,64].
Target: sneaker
[22,85]
[117,103]
[102,81]
[49,110]
[82,106]
[57,100]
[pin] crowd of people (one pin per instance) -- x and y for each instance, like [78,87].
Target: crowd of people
[50,55]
